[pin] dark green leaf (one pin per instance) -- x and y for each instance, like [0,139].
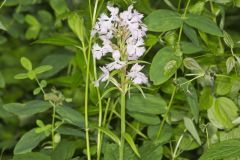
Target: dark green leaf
[32,156]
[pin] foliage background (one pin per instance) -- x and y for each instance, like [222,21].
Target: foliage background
[25,21]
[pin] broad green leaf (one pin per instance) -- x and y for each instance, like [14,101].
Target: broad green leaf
[28,109]
[34,27]
[230,64]
[59,40]
[2,81]
[2,27]
[155,104]
[42,69]
[64,150]
[163,20]
[191,34]
[165,136]
[111,135]
[29,141]
[131,143]
[150,119]
[203,24]
[191,97]
[151,151]
[71,116]
[221,150]
[32,156]
[222,113]
[26,63]
[190,48]
[57,61]
[228,135]
[223,85]
[158,72]
[192,129]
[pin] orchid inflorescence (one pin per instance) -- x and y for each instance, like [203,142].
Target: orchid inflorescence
[121,35]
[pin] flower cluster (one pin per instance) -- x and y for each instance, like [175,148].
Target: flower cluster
[121,35]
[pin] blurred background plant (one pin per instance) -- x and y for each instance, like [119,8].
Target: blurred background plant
[50,32]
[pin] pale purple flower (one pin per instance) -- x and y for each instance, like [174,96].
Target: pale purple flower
[115,65]
[136,76]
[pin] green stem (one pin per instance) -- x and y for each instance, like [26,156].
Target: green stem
[166,114]
[177,146]
[123,107]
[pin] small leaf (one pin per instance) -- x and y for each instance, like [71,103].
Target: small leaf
[29,141]
[2,27]
[111,135]
[31,75]
[192,65]
[131,143]
[192,129]
[36,91]
[26,63]
[228,40]
[42,69]
[230,64]
[21,76]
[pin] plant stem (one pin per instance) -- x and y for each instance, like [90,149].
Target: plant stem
[177,146]
[123,107]
[166,114]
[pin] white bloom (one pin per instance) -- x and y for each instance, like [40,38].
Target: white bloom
[136,76]
[104,77]
[115,65]
[116,55]
[97,51]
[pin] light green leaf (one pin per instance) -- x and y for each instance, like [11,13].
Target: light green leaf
[26,63]
[160,60]
[28,109]
[203,24]
[29,141]
[31,156]
[225,149]
[34,27]
[131,143]
[76,23]
[155,104]
[163,20]
[42,69]
[111,135]
[21,76]
[230,64]
[192,129]
[222,113]
[71,116]
[2,27]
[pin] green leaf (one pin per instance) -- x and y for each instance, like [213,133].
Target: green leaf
[222,113]
[21,76]
[29,141]
[58,63]
[111,135]
[71,116]
[155,104]
[42,69]
[31,156]
[58,40]
[160,60]
[230,64]
[203,24]
[59,6]
[151,151]
[2,27]
[64,150]
[223,85]
[191,97]
[192,129]
[166,133]
[191,34]
[131,143]
[225,149]
[190,48]
[28,109]
[2,81]
[76,23]
[34,28]
[26,63]
[145,118]
[163,20]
